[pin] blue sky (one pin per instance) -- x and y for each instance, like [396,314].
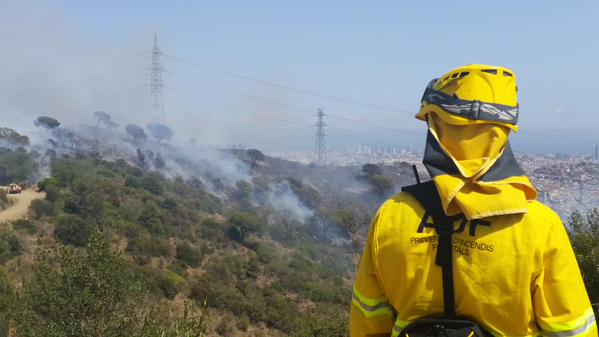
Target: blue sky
[381,52]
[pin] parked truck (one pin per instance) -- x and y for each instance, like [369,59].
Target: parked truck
[17,188]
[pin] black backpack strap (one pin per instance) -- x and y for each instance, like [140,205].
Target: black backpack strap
[427,195]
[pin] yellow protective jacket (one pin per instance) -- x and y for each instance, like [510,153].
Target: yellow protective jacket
[516,275]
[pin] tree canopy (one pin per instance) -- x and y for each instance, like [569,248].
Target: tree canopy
[13,137]
[371,169]
[255,156]
[15,165]
[137,133]
[105,119]
[46,122]
[160,132]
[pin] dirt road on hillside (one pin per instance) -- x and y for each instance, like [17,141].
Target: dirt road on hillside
[20,208]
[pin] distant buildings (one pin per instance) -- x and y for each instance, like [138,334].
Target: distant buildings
[564,182]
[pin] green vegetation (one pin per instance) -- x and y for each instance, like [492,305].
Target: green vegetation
[255,156]
[243,224]
[96,293]
[25,225]
[10,246]
[178,242]
[120,248]
[307,194]
[3,199]
[7,297]
[380,185]
[584,234]
[188,254]
[72,230]
[42,208]
[12,137]
[16,165]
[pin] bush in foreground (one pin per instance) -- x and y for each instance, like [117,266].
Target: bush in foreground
[95,294]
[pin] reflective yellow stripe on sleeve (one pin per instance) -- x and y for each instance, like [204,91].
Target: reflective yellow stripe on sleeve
[575,328]
[398,327]
[371,307]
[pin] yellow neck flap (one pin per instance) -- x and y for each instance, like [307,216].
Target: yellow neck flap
[481,177]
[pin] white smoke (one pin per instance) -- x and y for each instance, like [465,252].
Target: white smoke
[283,200]
[207,163]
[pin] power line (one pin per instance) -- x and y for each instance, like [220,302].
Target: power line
[413,132]
[289,88]
[269,118]
[349,101]
[242,94]
[298,108]
[361,122]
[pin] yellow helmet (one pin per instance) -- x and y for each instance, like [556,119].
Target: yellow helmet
[473,94]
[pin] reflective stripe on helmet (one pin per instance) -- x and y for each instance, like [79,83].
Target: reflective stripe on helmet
[475,110]
[371,307]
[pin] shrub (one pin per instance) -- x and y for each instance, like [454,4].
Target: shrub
[151,218]
[169,203]
[333,324]
[7,294]
[243,224]
[244,190]
[371,169]
[3,198]
[73,230]
[13,245]
[15,165]
[25,226]
[65,171]
[170,283]
[86,200]
[152,183]
[91,295]
[41,208]
[188,254]
[261,184]
[10,246]
[307,195]
[211,230]
[52,193]
[381,185]
[143,246]
[344,218]
[224,328]
[266,252]
[42,185]
[132,181]
[584,234]
[243,322]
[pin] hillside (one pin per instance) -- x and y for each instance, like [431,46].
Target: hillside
[158,240]
[271,255]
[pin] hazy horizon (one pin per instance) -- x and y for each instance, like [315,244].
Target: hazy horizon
[67,59]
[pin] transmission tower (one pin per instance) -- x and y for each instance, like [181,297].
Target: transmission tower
[156,84]
[320,148]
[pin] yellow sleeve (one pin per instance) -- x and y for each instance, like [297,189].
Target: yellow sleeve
[371,313]
[561,304]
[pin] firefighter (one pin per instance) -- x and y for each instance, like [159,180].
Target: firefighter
[514,269]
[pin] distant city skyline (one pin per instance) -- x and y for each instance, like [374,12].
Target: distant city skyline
[364,64]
